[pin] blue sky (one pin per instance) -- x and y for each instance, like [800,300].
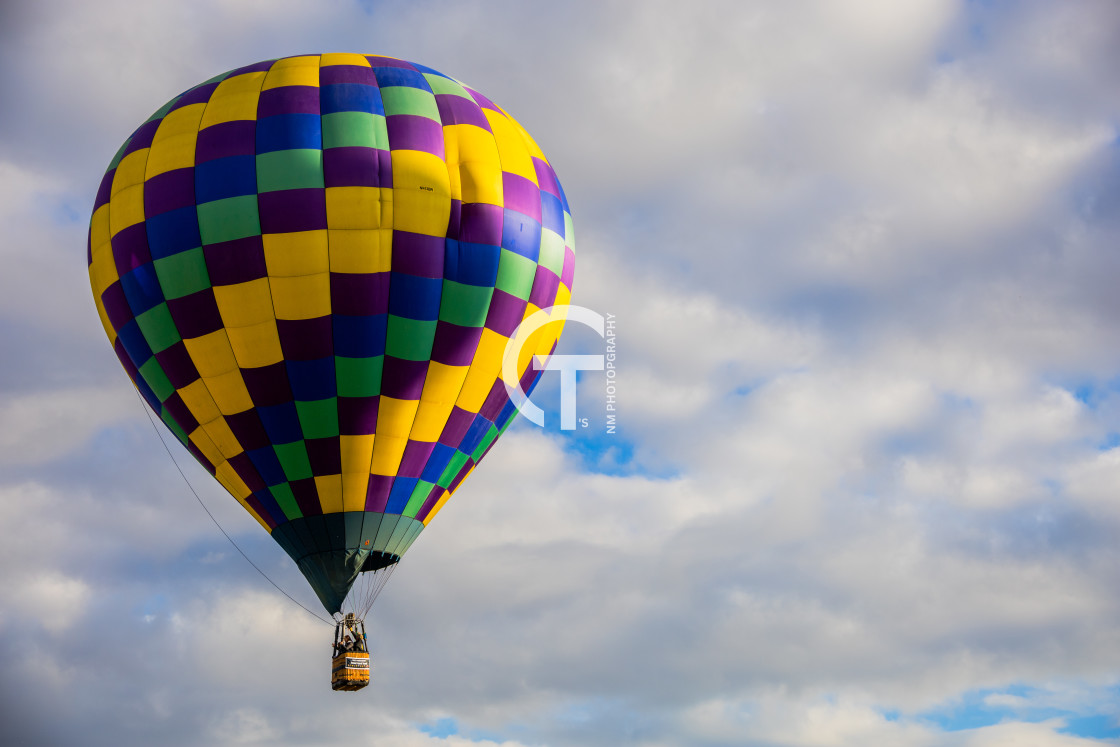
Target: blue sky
[862,256]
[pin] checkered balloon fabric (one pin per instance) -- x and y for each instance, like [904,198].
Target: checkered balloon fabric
[310,268]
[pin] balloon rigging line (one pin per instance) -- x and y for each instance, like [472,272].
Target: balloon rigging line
[194,492]
[368,588]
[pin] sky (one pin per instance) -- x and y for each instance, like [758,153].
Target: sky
[862,258]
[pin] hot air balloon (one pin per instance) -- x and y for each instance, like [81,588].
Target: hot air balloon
[310,268]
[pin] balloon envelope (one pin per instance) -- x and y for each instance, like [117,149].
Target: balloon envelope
[310,268]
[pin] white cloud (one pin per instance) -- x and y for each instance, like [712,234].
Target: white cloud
[55,600]
[859,261]
[775,718]
[39,428]
[1044,734]
[1092,482]
[244,726]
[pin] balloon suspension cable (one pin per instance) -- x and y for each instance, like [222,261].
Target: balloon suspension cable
[366,589]
[198,498]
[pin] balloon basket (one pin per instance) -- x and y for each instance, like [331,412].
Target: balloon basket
[350,665]
[350,671]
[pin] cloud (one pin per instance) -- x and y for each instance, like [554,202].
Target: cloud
[42,426]
[56,601]
[863,269]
